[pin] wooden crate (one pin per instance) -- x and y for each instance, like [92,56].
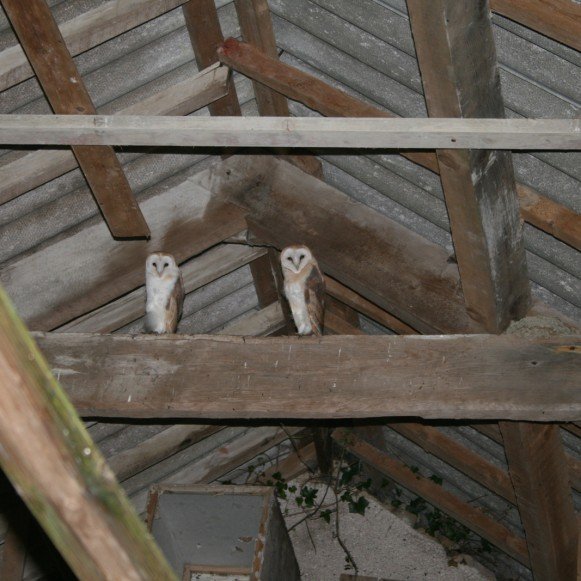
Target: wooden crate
[226,533]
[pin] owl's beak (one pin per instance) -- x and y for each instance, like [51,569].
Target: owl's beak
[160,268]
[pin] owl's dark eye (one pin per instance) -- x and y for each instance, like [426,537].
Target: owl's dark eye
[289,258]
[165,264]
[154,264]
[301,256]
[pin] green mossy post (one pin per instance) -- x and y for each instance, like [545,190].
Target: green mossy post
[58,471]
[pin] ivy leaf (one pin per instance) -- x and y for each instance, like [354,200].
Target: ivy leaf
[326,515]
[437,479]
[358,506]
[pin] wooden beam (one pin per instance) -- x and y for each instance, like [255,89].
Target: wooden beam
[206,268]
[29,169]
[60,474]
[256,27]
[542,212]
[292,132]
[57,73]
[339,377]
[457,59]
[86,269]
[558,19]
[347,237]
[541,482]
[86,31]
[471,517]
[206,35]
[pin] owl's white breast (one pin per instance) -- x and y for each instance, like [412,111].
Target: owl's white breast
[158,290]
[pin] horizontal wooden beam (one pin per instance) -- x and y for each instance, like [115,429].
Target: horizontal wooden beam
[542,212]
[295,132]
[456,377]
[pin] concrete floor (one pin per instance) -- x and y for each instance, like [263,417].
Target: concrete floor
[381,543]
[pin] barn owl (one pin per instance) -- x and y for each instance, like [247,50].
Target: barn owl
[165,293]
[304,288]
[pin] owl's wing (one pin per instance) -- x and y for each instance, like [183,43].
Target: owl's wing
[315,299]
[174,307]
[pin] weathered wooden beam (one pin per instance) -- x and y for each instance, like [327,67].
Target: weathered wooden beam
[28,169]
[558,19]
[542,212]
[86,31]
[185,219]
[206,35]
[471,517]
[292,132]
[371,254]
[339,377]
[457,59]
[541,482]
[60,474]
[57,73]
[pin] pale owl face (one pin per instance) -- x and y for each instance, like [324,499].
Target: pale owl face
[160,265]
[295,258]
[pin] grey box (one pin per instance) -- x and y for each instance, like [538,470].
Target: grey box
[226,533]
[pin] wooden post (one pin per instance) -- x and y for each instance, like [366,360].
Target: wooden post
[206,36]
[457,59]
[60,474]
[58,75]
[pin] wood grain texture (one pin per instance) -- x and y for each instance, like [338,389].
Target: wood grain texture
[371,254]
[476,376]
[25,170]
[541,482]
[60,474]
[557,19]
[471,517]
[539,210]
[457,59]
[83,270]
[292,132]
[85,31]
[63,86]
[206,36]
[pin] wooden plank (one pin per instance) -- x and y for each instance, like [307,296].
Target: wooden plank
[29,169]
[206,35]
[364,250]
[260,324]
[471,517]
[558,19]
[539,210]
[83,270]
[264,281]
[196,273]
[66,93]
[86,31]
[292,132]
[60,474]
[205,376]
[541,483]
[457,59]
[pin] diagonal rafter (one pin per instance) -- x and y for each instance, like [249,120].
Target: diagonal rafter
[45,48]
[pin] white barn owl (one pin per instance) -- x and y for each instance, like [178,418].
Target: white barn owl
[304,287]
[164,293]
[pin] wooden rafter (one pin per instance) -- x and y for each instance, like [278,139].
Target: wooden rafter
[85,31]
[339,377]
[457,59]
[536,209]
[60,474]
[558,19]
[57,73]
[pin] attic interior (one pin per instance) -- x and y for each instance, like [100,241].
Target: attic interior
[477,434]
